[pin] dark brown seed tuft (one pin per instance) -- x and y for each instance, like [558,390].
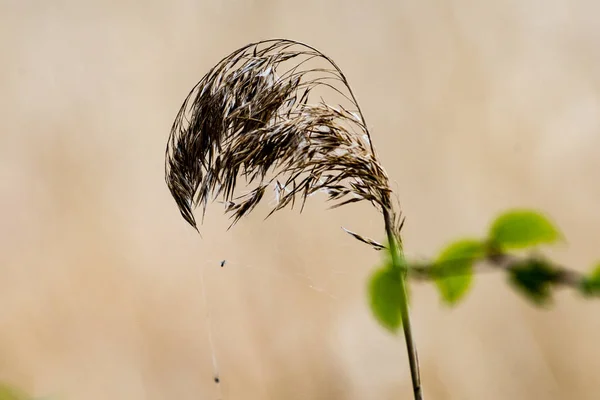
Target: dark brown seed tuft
[254,117]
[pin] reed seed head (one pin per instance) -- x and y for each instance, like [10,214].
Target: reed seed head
[259,115]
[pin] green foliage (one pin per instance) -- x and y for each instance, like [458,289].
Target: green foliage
[11,393]
[453,270]
[385,297]
[518,229]
[533,278]
[590,286]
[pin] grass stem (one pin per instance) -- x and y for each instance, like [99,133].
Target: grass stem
[400,265]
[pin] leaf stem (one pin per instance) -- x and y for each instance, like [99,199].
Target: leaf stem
[400,266]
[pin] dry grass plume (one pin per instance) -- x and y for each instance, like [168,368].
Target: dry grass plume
[255,115]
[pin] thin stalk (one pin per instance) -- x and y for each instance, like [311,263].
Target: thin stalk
[411,348]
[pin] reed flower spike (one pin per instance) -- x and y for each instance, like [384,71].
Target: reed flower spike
[254,116]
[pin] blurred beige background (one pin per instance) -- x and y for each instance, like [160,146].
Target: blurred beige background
[474,107]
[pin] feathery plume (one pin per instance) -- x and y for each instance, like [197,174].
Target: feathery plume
[254,116]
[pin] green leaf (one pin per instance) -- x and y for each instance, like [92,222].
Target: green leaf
[518,229]
[590,286]
[453,270]
[385,298]
[533,278]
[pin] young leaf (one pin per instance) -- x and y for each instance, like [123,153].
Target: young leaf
[533,278]
[518,229]
[590,286]
[384,297]
[453,269]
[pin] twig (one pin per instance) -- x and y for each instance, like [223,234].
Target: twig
[562,276]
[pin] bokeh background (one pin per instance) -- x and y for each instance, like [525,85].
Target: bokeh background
[474,107]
